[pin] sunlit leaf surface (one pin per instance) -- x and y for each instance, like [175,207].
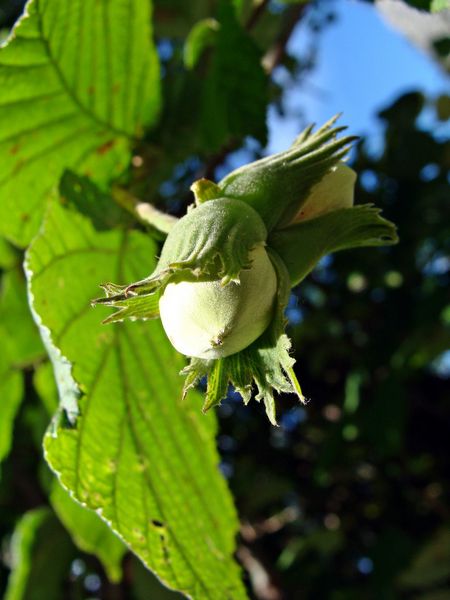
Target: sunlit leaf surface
[136,452]
[78,81]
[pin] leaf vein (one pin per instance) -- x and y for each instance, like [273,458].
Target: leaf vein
[71,94]
[73,252]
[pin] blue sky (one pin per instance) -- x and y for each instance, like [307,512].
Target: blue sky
[363,65]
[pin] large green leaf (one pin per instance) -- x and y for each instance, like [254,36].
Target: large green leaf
[137,453]
[78,82]
[88,531]
[41,553]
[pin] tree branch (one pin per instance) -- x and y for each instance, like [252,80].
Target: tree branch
[262,584]
[252,531]
[276,53]
[256,14]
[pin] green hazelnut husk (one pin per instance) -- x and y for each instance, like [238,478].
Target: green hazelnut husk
[206,319]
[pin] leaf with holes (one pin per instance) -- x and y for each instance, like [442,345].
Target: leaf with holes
[78,82]
[135,452]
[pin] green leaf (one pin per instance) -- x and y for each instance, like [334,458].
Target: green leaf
[89,533]
[200,37]
[302,245]
[41,553]
[18,332]
[136,453]
[11,392]
[429,5]
[79,82]
[235,91]
[20,346]
[438,5]
[431,565]
[8,256]
[238,6]
[81,193]
[45,386]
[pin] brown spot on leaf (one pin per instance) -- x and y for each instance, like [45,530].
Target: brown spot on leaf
[14,149]
[19,164]
[106,147]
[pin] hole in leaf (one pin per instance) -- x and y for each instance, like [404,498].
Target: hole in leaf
[157,523]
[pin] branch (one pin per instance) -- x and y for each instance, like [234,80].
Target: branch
[143,211]
[275,54]
[256,14]
[263,583]
[263,586]
[252,531]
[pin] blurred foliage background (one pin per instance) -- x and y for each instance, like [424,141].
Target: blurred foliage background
[348,498]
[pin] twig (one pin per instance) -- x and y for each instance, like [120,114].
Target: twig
[263,586]
[143,211]
[252,531]
[256,14]
[263,583]
[275,54]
